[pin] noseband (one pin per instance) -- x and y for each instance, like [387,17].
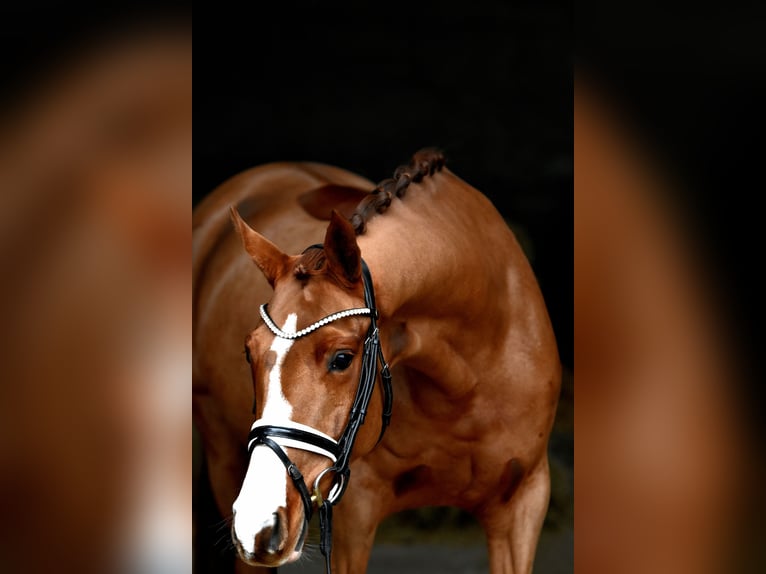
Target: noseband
[303,437]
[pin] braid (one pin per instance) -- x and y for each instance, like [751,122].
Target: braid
[424,163]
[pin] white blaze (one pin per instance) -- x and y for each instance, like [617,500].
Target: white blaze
[265,486]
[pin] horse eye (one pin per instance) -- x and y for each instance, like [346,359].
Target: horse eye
[341,361]
[247,354]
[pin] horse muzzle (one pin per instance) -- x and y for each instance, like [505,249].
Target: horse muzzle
[270,544]
[268,523]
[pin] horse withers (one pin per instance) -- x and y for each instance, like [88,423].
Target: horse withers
[424,267]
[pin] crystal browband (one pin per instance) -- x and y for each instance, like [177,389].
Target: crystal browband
[311,328]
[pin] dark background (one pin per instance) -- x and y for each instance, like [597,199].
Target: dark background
[364,87]
[690,83]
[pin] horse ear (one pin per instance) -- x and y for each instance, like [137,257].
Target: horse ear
[341,250]
[267,256]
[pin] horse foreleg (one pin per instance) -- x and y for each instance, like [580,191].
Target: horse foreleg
[513,528]
[355,521]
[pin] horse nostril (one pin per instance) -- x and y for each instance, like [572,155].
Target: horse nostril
[276,535]
[271,539]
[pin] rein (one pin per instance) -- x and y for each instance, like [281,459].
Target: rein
[303,437]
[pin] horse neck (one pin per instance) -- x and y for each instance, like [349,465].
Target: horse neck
[441,259]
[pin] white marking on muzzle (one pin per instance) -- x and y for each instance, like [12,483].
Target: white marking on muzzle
[264,489]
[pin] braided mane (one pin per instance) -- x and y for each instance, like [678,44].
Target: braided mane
[424,162]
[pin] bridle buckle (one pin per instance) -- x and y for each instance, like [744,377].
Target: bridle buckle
[372,337]
[335,490]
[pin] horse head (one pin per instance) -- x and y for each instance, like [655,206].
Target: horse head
[306,360]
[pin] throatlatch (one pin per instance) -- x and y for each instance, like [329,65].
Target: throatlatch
[306,438]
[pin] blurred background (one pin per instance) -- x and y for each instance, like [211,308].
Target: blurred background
[95,175]
[363,86]
[95,179]
[669,148]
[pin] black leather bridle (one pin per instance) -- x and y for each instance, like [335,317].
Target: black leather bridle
[305,438]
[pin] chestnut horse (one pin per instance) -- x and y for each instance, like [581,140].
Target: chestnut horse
[425,266]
